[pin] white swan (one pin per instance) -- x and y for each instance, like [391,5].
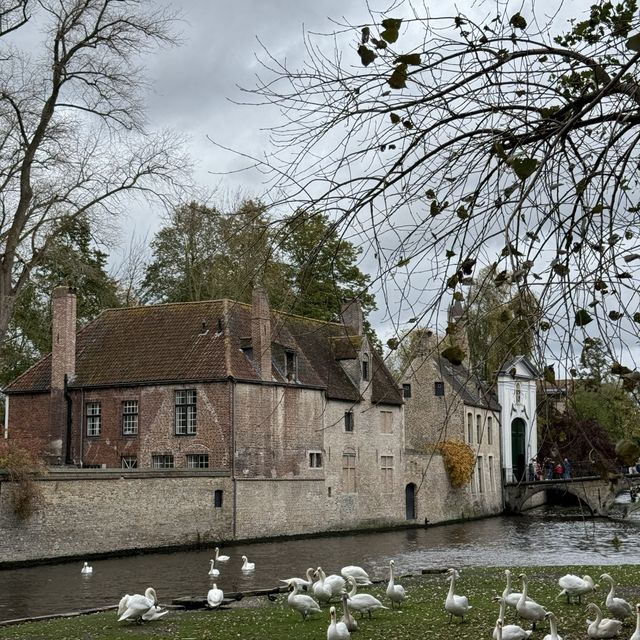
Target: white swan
[86,568]
[602,627]
[455,605]
[334,582]
[360,575]
[213,572]
[247,566]
[301,602]
[497,632]
[395,592]
[301,582]
[636,633]
[220,558]
[509,631]
[140,607]
[215,596]
[618,607]
[510,597]
[553,628]
[362,602]
[321,590]
[337,630]
[527,608]
[347,618]
[575,586]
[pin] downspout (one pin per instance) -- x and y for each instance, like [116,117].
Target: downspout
[81,456]
[67,397]
[232,413]
[6,417]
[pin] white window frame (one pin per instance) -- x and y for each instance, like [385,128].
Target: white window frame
[93,413]
[129,462]
[315,459]
[197,460]
[162,461]
[130,417]
[186,413]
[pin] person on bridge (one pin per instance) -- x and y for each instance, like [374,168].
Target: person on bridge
[566,474]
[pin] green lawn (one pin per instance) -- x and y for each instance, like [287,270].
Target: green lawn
[422,615]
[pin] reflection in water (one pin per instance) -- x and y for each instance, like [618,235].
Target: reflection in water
[516,541]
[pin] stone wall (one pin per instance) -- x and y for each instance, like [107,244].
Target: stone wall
[103,511]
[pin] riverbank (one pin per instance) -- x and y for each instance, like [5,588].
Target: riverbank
[422,614]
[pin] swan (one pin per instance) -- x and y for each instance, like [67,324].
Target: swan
[136,606]
[527,608]
[360,575]
[509,631]
[510,597]
[215,596]
[497,632]
[618,607]
[321,590]
[301,582]
[362,602]
[155,613]
[573,586]
[602,627]
[395,592]
[636,633]
[347,618]
[220,558]
[303,603]
[334,582]
[553,628]
[455,605]
[337,630]
[246,565]
[213,572]
[86,568]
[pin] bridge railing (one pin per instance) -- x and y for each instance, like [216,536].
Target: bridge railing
[579,469]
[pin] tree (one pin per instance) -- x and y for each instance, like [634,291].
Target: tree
[71,260]
[443,141]
[72,136]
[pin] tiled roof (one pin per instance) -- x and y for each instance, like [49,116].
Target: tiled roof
[469,387]
[204,341]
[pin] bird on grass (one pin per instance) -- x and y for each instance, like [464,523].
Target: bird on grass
[618,607]
[602,627]
[575,587]
[636,633]
[337,630]
[553,628]
[527,608]
[395,592]
[140,607]
[347,618]
[455,605]
[360,575]
[215,596]
[509,631]
[301,602]
[362,602]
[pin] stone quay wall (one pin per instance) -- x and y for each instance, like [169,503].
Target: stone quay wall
[101,511]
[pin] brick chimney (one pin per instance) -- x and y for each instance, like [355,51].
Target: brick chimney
[352,316]
[261,333]
[63,363]
[426,343]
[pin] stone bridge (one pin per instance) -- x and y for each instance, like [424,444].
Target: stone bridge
[599,495]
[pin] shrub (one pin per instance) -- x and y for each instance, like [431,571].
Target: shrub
[459,461]
[22,467]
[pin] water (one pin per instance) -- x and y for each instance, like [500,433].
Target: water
[546,539]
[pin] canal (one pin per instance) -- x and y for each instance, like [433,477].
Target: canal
[545,538]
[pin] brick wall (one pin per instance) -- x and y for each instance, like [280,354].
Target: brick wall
[87,512]
[29,422]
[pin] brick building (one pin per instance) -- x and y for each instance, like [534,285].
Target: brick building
[301,417]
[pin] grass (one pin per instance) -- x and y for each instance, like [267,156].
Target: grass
[422,615]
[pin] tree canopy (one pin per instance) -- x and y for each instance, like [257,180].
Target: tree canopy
[505,138]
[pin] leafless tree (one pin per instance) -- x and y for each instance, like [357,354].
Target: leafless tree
[72,127]
[507,139]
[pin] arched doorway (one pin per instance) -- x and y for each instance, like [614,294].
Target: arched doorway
[410,501]
[518,461]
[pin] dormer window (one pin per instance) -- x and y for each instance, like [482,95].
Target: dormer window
[290,365]
[365,366]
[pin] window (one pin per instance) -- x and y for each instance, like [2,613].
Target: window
[386,468]
[438,388]
[348,420]
[349,472]
[129,462]
[365,366]
[406,390]
[492,485]
[386,425]
[93,418]
[130,418]
[518,393]
[479,428]
[480,476]
[315,460]
[470,427]
[197,460]
[164,461]
[489,430]
[217,498]
[186,412]
[290,365]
